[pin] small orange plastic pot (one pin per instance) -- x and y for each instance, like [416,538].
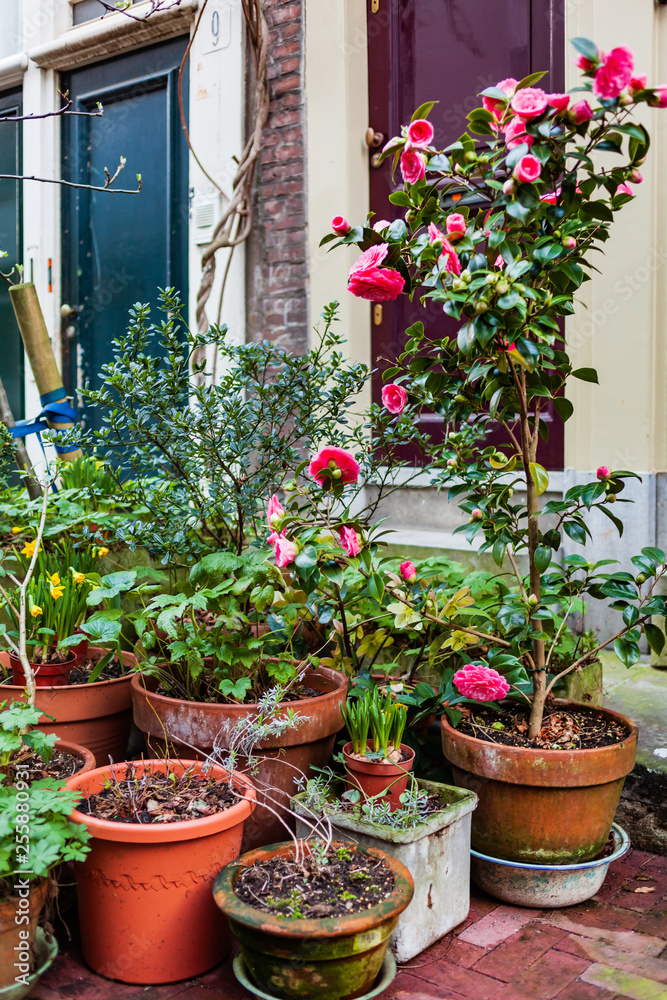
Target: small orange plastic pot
[145,890]
[46,674]
[81,753]
[373,778]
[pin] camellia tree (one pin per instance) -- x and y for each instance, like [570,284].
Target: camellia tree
[505,258]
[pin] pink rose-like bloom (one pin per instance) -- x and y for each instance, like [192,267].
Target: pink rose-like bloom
[285,550]
[660,100]
[528,169]
[349,541]
[499,261]
[480,683]
[340,225]
[452,264]
[380,225]
[334,458]
[624,189]
[508,85]
[604,472]
[274,510]
[550,197]
[558,101]
[637,83]
[420,133]
[434,233]
[456,225]
[614,73]
[515,134]
[529,103]
[394,398]
[273,538]
[408,571]
[369,281]
[413,166]
[580,112]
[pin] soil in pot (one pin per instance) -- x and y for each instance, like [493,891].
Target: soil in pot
[329,957]
[146,908]
[66,760]
[553,800]
[387,779]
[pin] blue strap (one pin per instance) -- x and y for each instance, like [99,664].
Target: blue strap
[53,396]
[57,413]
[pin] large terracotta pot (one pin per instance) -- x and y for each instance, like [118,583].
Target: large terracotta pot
[97,716]
[144,891]
[373,778]
[330,958]
[200,725]
[541,806]
[25,908]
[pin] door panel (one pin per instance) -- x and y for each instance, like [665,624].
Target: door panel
[449,50]
[119,249]
[11,354]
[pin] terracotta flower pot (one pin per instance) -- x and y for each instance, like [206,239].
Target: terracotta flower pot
[541,806]
[97,716]
[46,674]
[331,958]
[189,724]
[81,753]
[144,891]
[25,909]
[374,778]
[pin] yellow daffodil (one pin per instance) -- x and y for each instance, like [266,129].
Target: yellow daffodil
[35,610]
[95,586]
[16,529]
[98,464]
[102,551]
[55,579]
[78,577]
[29,549]
[56,592]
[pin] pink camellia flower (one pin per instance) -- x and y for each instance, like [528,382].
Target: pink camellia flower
[413,166]
[456,225]
[369,281]
[625,189]
[285,550]
[394,398]
[480,683]
[529,102]
[340,225]
[499,261]
[660,99]
[420,133]
[637,83]
[604,472]
[558,101]
[452,264]
[274,511]
[551,197]
[583,63]
[349,541]
[614,73]
[492,103]
[580,112]
[434,233]
[528,169]
[380,225]
[334,459]
[408,571]
[273,538]
[515,133]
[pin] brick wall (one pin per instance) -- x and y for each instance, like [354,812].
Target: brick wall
[277,297]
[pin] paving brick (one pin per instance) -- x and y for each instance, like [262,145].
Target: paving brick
[641,943]
[462,953]
[519,951]
[497,926]
[603,915]
[465,982]
[406,986]
[654,923]
[583,991]
[545,978]
[627,961]
[624,984]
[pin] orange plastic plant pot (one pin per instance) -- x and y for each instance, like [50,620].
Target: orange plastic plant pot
[145,894]
[19,915]
[375,778]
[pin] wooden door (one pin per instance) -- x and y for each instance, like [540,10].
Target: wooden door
[449,51]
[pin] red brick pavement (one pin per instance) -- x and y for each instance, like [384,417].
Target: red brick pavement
[613,947]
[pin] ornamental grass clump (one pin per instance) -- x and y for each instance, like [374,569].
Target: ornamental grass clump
[536,180]
[376,724]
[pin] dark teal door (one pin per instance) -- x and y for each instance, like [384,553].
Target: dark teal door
[118,249]
[11,349]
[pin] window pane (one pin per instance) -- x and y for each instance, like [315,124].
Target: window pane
[11,40]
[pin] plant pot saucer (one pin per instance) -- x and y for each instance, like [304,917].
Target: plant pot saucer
[386,976]
[545,886]
[46,954]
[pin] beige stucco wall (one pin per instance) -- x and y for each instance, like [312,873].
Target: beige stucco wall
[336,85]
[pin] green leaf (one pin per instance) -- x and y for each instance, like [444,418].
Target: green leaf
[400,198]
[627,651]
[376,586]
[586,47]
[531,80]
[397,230]
[564,407]
[586,375]
[498,553]
[575,531]
[542,557]
[655,637]
[547,252]
[540,477]
[466,338]
[630,615]
[307,558]
[657,556]
[99,666]
[423,110]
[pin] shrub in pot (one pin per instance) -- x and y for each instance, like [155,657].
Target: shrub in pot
[377,762]
[532,202]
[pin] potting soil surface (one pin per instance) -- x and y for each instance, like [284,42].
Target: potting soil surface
[583,729]
[613,947]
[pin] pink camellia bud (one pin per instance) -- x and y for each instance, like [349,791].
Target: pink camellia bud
[340,225]
[635,176]
[394,398]
[349,541]
[636,84]
[480,683]
[420,133]
[580,112]
[528,169]
[274,511]
[569,242]
[408,571]
[603,472]
[285,550]
[477,514]
[584,64]
[509,187]
[660,99]
[456,225]
[451,463]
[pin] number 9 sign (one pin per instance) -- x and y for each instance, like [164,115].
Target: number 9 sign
[217,26]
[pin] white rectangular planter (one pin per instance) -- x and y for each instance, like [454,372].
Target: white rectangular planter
[437,855]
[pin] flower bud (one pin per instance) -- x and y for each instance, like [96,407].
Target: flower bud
[603,472]
[569,242]
[477,514]
[509,187]
[502,287]
[481,307]
[611,498]
[533,600]
[451,463]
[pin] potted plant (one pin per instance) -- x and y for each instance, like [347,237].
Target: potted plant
[322,933]
[377,762]
[499,229]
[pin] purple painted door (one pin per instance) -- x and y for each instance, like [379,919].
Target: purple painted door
[449,50]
